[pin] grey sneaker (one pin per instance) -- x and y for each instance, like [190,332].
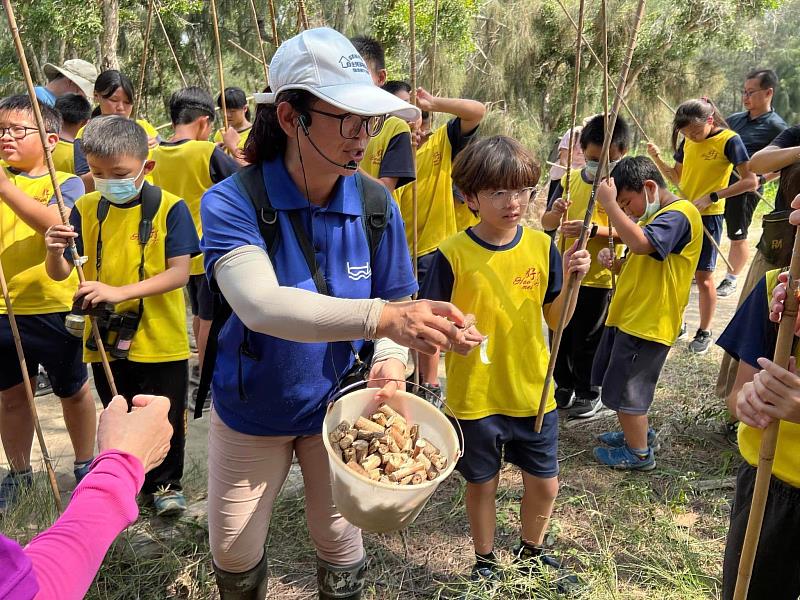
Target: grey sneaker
[701,342]
[12,486]
[583,408]
[565,397]
[169,503]
[726,287]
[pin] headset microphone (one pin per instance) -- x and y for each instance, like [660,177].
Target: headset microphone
[349,165]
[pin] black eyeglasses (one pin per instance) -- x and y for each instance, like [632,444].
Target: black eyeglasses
[17,132]
[350,125]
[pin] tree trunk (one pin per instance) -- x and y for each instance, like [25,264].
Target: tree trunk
[108,41]
[36,67]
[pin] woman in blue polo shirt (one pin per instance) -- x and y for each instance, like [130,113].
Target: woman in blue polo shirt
[280,355]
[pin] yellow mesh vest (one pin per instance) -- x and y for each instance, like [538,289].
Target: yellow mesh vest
[64,156]
[376,148]
[706,169]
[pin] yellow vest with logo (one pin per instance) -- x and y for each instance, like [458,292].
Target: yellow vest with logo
[580,193]
[786,466]
[183,170]
[161,335]
[23,252]
[706,169]
[505,290]
[652,294]
[64,156]
[436,216]
[243,135]
[376,147]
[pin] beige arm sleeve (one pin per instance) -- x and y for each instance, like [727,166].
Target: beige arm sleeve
[247,280]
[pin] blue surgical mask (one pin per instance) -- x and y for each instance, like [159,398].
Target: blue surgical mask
[650,208]
[593,166]
[119,191]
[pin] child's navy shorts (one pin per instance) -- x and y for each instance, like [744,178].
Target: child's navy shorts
[46,342]
[708,253]
[628,367]
[489,440]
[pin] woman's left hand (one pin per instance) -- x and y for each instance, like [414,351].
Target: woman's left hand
[391,368]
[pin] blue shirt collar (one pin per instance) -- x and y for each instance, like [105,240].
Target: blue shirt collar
[284,195]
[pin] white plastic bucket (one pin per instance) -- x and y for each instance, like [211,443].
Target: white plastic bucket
[372,505]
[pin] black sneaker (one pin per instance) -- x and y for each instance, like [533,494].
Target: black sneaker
[726,287]
[483,580]
[701,342]
[43,385]
[431,393]
[12,487]
[565,397]
[532,561]
[583,408]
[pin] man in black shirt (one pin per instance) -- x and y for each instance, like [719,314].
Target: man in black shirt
[757,126]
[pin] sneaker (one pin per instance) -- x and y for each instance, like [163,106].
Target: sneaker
[731,433]
[683,333]
[726,287]
[532,561]
[616,439]
[169,503]
[12,486]
[583,408]
[193,401]
[701,342]
[43,385]
[431,393]
[82,469]
[565,397]
[483,580]
[624,458]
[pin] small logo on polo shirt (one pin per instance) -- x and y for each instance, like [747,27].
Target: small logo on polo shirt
[529,280]
[354,62]
[356,273]
[711,154]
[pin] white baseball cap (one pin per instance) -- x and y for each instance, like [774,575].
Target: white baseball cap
[81,73]
[323,62]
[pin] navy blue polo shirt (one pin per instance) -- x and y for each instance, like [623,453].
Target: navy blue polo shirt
[264,385]
[759,132]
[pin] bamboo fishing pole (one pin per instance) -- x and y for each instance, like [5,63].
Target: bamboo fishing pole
[605,169]
[37,426]
[62,209]
[219,64]
[142,67]
[412,38]
[638,125]
[433,50]
[171,49]
[572,287]
[260,42]
[769,437]
[275,41]
[248,53]
[573,122]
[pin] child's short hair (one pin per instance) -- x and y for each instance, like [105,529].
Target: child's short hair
[74,108]
[114,135]
[370,50]
[22,103]
[396,85]
[495,163]
[234,98]
[632,171]
[594,132]
[189,104]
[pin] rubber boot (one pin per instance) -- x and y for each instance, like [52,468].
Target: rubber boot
[341,582]
[250,585]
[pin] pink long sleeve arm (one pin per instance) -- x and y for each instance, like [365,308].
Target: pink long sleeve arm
[67,556]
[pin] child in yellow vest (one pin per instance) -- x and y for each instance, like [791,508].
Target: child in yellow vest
[27,209]
[573,369]
[75,111]
[238,114]
[510,277]
[763,392]
[664,237]
[704,161]
[142,283]
[186,166]
[389,155]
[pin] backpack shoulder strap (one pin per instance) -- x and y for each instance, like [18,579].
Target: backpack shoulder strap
[151,202]
[376,210]
[251,185]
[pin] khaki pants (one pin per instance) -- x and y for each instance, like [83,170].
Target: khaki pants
[729,366]
[245,474]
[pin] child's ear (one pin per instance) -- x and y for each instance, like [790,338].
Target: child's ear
[472,202]
[52,140]
[149,165]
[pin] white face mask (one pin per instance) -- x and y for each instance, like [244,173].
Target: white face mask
[592,166]
[650,208]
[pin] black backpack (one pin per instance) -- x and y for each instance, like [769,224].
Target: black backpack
[375,217]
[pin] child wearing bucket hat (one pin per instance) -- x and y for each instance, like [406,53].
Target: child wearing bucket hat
[509,277]
[303,263]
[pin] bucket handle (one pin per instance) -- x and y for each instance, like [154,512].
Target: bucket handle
[439,397]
